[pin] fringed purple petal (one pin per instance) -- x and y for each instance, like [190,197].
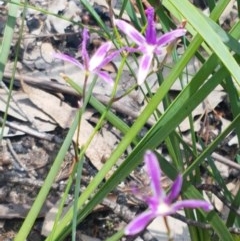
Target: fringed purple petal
[109,58]
[139,223]
[84,48]
[154,172]
[175,190]
[192,204]
[151,35]
[170,36]
[130,31]
[105,76]
[99,56]
[68,59]
[144,67]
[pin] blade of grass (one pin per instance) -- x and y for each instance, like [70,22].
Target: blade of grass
[196,19]
[193,231]
[37,205]
[76,196]
[141,11]
[7,36]
[124,4]
[132,15]
[5,49]
[232,217]
[211,4]
[226,38]
[233,96]
[218,178]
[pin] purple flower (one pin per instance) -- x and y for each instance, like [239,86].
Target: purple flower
[159,203]
[94,64]
[150,44]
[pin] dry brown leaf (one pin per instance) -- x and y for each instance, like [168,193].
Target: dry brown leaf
[59,111]
[101,146]
[13,109]
[25,112]
[206,106]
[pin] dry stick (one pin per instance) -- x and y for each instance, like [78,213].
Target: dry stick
[14,101]
[216,191]
[47,85]
[13,211]
[4,155]
[65,89]
[18,161]
[191,222]
[12,178]
[200,225]
[29,131]
[216,156]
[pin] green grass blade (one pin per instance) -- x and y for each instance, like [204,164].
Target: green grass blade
[5,49]
[76,196]
[226,38]
[233,96]
[197,21]
[37,205]
[7,37]
[232,217]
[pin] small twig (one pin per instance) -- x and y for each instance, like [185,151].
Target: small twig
[216,156]
[191,222]
[18,163]
[49,35]
[4,155]
[201,225]
[234,230]
[19,110]
[65,89]
[24,181]
[29,131]
[215,190]
[122,211]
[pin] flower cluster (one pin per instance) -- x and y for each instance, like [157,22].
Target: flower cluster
[150,44]
[147,46]
[159,203]
[96,62]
